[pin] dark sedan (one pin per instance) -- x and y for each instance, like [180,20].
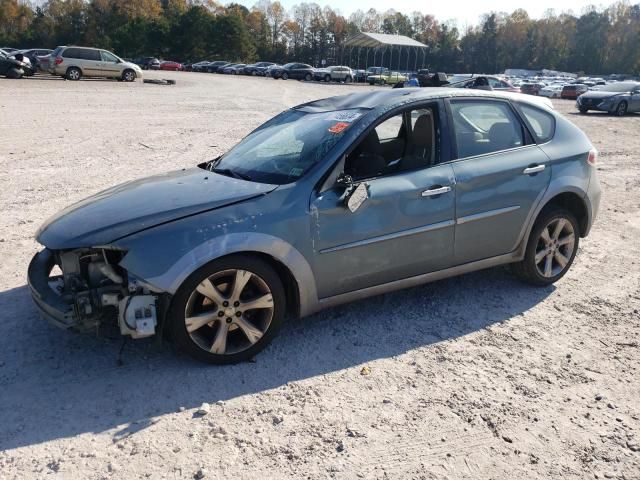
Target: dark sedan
[531,88]
[616,98]
[216,66]
[297,71]
[257,68]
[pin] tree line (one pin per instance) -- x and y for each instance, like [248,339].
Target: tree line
[599,40]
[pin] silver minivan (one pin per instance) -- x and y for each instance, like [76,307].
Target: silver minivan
[73,63]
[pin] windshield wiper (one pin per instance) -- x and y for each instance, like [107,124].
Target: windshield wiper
[230,173]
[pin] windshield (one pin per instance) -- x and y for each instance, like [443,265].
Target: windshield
[287,146]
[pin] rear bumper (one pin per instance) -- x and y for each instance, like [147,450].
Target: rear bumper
[51,306]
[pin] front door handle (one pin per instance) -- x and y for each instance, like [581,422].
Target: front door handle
[436,191]
[534,170]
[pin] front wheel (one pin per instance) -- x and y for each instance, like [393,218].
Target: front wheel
[284,76]
[327,78]
[307,77]
[583,110]
[551,248]
[228,311]
[348,80]
[621,111]
[128,75]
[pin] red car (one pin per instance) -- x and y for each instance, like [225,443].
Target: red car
[170,65]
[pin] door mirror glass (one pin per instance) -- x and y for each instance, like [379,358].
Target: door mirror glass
[356,197]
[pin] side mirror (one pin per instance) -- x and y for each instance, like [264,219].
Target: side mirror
[344,180]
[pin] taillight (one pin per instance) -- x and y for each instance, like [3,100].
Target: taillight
[58,60]
[592,159]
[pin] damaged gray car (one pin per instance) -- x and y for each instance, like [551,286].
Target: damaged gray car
[328,202]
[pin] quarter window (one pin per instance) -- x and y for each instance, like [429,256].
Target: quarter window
[483,127]
[542,123]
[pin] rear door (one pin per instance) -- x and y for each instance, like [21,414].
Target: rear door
[89,60]
[501,175]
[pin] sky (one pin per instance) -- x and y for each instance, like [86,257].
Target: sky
[465,12]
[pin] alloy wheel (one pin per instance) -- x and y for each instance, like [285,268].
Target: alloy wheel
[622,109]
[555,247]
[229,312]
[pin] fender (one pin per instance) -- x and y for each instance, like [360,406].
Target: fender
[556,188]
[240,242]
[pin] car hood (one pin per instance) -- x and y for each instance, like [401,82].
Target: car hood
[600,94]
[141,204]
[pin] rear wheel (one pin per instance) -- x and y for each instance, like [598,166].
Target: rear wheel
[583,110]
[74,74]
[621,110]
[551,247]
[348,80]
[228,311]
[284,75]
[327,78]
[307,77]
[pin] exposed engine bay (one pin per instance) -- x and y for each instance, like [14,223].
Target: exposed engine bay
[99,293]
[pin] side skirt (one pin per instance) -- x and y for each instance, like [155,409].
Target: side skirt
[418,280]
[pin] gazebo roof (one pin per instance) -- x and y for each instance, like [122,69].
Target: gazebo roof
[376,40]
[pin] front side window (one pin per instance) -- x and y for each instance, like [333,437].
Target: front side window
[286,147]
[390,129]
[109,57]
[405,142]
[483,127]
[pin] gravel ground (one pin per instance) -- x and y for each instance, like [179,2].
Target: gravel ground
[473,377]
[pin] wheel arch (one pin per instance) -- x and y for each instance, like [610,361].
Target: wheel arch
[572,198]
[575,204]
[290,265]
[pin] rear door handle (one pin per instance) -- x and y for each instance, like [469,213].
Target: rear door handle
[533,170]
[436,191]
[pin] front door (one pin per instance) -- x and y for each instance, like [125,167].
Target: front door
[110,65]
[406,225]
[634,104]
[500,177]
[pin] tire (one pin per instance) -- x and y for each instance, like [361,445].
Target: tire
[583,110]
[129,76]
[327,78]
[73,73]
[621,109]
[284,76]
[348,80]
[307,77]
[239,337]
[549,219]
[14,73]
[253,73]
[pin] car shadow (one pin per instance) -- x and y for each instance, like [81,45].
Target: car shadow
[58,384]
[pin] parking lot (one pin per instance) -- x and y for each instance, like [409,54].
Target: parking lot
[474,377]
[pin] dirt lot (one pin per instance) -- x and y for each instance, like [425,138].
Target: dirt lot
[474,377]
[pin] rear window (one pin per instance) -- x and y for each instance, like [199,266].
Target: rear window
[82,54]
[542,124]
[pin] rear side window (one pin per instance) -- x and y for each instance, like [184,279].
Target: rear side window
[483,127]
[542,124]
[72,53]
